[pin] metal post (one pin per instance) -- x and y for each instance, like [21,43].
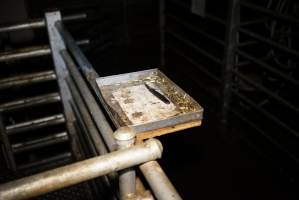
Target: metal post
[57,44]
[230,53]
[125,138]
[159,182]
[62,177]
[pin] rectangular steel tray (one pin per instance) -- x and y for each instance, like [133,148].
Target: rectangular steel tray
[130,103]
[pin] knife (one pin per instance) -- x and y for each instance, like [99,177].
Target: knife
[157,94]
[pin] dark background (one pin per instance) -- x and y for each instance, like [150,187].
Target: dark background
[235,156]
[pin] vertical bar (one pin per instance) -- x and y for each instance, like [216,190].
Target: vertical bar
[125,138]
[162,33]
[7,147]
[229,60]
[57,44]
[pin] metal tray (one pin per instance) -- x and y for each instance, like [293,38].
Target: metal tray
[130,101]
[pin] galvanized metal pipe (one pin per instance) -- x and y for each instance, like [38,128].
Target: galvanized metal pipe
[27,79]
[125,138]
[83,64]
[93,107]
[41,142]
[55,160]
[91,76]
[35,124]
[30,52]
[159,182]
[30,102]
[87,119]
[39,23]
[62,177]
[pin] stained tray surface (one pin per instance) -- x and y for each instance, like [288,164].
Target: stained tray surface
[147,100]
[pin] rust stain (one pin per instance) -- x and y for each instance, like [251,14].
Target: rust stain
[137,114]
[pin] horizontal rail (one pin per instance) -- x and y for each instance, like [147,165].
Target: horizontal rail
[195,47]
[30,52]
[54,160]
[271,13]
[267,91]
[39,23]
[186,7]
[87,120]
[91,103]
[65,176]
[90,75]
[268,67]
[30,102]
[270,42]
[41,142]
[35,124]
[266,114]
[27,79]
[193,62]
[196,29]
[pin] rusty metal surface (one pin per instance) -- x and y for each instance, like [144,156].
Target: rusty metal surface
[186,108]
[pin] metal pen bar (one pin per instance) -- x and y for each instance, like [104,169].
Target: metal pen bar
[270,12]
[263,133]
[86,68]
[39,23]
[253,22]
[159,182]
[194,46]
[270,42]
[271,117]
[267,91]
[186,7]
[93,107]
[84,65]
[30,52]
[6,145]
[95,144]
[65,176]
[57,44]
[23,53]
[231,40]
[35,124]
[28,79]
[197,65]
[196,29]
[55,160]
[87,120]
[125,138]
[30,102]
[268,67]
[40,143]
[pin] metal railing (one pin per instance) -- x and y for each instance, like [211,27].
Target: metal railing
[86,122]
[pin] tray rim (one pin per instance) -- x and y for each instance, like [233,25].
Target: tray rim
[139,128]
